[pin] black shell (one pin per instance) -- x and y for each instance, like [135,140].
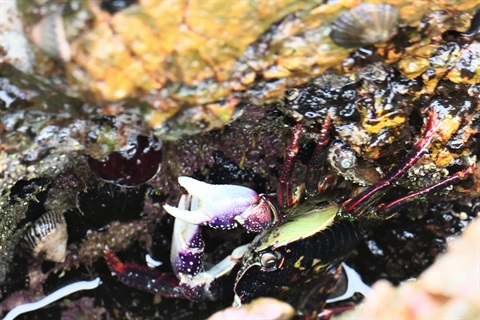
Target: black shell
[365,25]
[47,237]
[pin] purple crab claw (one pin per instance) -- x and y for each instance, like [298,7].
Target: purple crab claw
[186,257]
[186,253]
[225,206]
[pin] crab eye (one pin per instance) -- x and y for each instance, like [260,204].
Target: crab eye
[269,260]
[292,94]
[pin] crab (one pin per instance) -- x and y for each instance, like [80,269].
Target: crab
[303,237]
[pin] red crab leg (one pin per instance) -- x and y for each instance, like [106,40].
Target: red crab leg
[326,314]
[389,210]
[144,278]
[284,194]
[356,205]
[316,166]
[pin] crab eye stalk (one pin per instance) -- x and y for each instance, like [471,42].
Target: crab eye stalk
[270,260]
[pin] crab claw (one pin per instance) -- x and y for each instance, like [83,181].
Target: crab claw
[187,249]
[223,206]
[187,257]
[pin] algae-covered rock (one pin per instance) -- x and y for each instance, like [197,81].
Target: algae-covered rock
[212,90]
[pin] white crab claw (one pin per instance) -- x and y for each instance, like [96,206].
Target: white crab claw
[187,210]
[242,197]
[218,205]
[193,217]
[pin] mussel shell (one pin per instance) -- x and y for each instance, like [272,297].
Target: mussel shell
[365,25]
[47,237]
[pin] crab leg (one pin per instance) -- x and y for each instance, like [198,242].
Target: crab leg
[189,279]
[327,314]
[315,179]
[357,205]
[144,278]
[284,194]
[315,168]
[387,211]
[203,285]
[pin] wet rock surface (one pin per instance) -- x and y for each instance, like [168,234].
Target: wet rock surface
[287,70]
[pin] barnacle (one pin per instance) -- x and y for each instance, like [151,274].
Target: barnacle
[345,162]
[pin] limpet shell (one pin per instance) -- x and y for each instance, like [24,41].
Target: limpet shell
[365,25]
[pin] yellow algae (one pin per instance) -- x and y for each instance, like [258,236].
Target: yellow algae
[383,121]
